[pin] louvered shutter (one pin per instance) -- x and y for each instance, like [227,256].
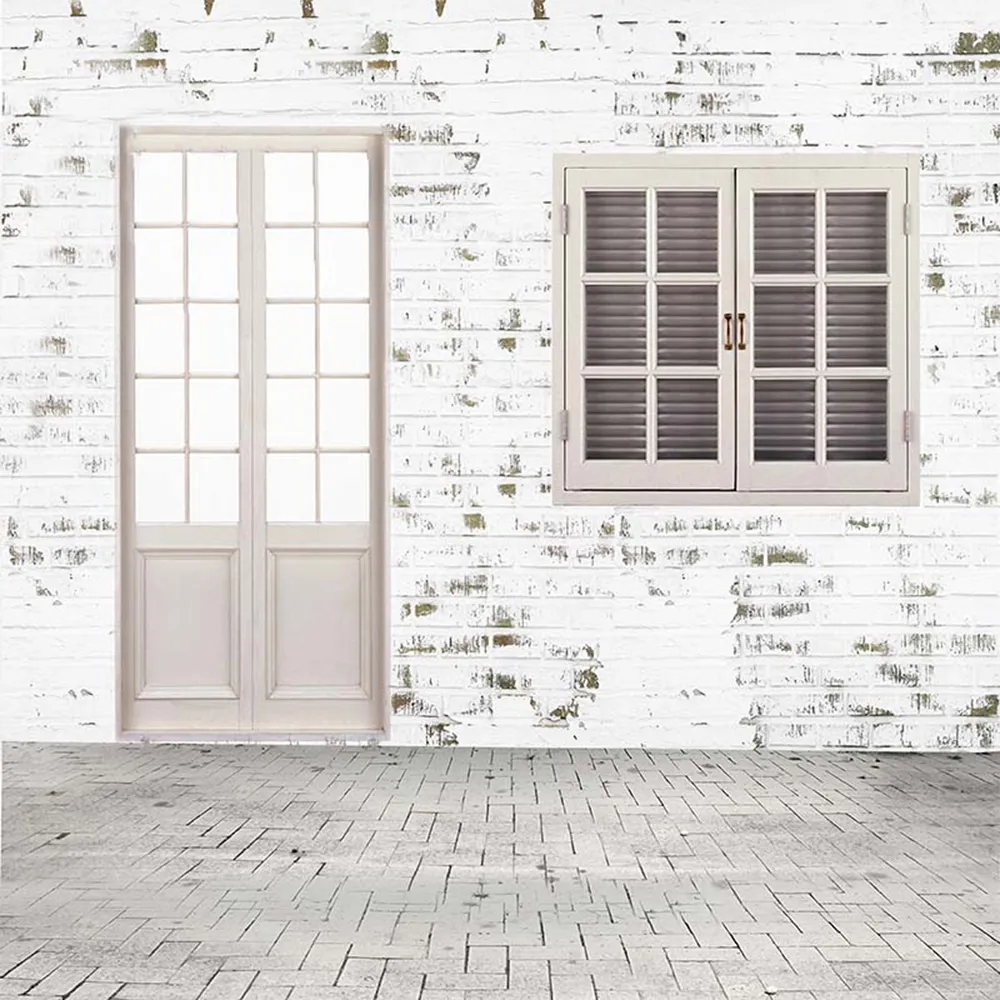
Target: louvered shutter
[821,277]
[649,273]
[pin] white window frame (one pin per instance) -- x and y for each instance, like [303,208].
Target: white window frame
[894,483]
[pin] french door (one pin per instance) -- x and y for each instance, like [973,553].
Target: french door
[253,429]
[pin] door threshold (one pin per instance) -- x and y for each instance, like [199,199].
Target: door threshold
[344,738]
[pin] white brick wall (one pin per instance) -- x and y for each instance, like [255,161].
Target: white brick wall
[544,626]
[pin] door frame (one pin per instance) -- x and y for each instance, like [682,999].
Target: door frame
[379,374]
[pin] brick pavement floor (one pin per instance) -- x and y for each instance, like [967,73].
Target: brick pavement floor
[186,872]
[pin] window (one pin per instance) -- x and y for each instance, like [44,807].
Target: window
[736,329]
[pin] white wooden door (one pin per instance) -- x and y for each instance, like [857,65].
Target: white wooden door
[253,473]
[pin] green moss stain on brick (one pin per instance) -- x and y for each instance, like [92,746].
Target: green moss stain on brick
[469,585]
[507,489]
[986,499]
[400,353]
[405,676]
[407,703]
[865,645]
[935,281]
[587,678]
[52,406]
[507,344]
[895,673]
[538,10]
[464,253]
[400,499]
[378,43]
[439,735]
[148,41]
[418,647]
[512,321]
[783,555]
[399,190]
[959,195]
[985,707]
[868,710]
[424,609]
[753,556]
[969,43]
[474,522]
[512,468]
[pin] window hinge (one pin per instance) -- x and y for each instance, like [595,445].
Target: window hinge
[564,425]
[564,218]
[907,219]
[908,425]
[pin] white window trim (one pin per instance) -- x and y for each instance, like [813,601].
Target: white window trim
[567,415]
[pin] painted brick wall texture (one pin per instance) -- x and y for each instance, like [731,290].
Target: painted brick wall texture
[516,623]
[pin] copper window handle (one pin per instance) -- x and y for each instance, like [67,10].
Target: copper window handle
[743,331]
[729,331]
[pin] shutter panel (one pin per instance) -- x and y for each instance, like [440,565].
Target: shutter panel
[616,231]
[615,418]
[648,273]
[822,388]
[615,324]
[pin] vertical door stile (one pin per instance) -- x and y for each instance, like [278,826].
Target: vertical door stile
[257,515]
[247,285]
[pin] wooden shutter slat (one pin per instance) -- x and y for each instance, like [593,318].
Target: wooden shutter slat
[784,327]
[687,418]
[784,420]
[687,231]
[784,232]
[687,324]
[615,325]
[857,325]
[615,422]
[856,232]
[856,420]
[615,226]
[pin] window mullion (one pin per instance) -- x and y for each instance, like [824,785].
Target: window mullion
[651,387]
[821,326]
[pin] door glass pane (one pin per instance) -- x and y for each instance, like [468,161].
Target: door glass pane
[212,264]
[291,339]
[288,187]
[159,263]
[857,325]
[291,413]
[784,326]
[157,178]
[784,232]
[214,420]
[291,488]
[290,266]
[215,339]
[856,232]
[343,263]
[615,425]
[687,419]
[784,420]
[159,489]
[688,325]
[159,413]
[344,345]
[687,231]
[159,340]
[344,414]
[344,488]
[343,187]
[615,324]
[215,489]
[856,420]
[211,187]
[615,229]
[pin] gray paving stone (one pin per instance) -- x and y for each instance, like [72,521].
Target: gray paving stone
[144,872]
